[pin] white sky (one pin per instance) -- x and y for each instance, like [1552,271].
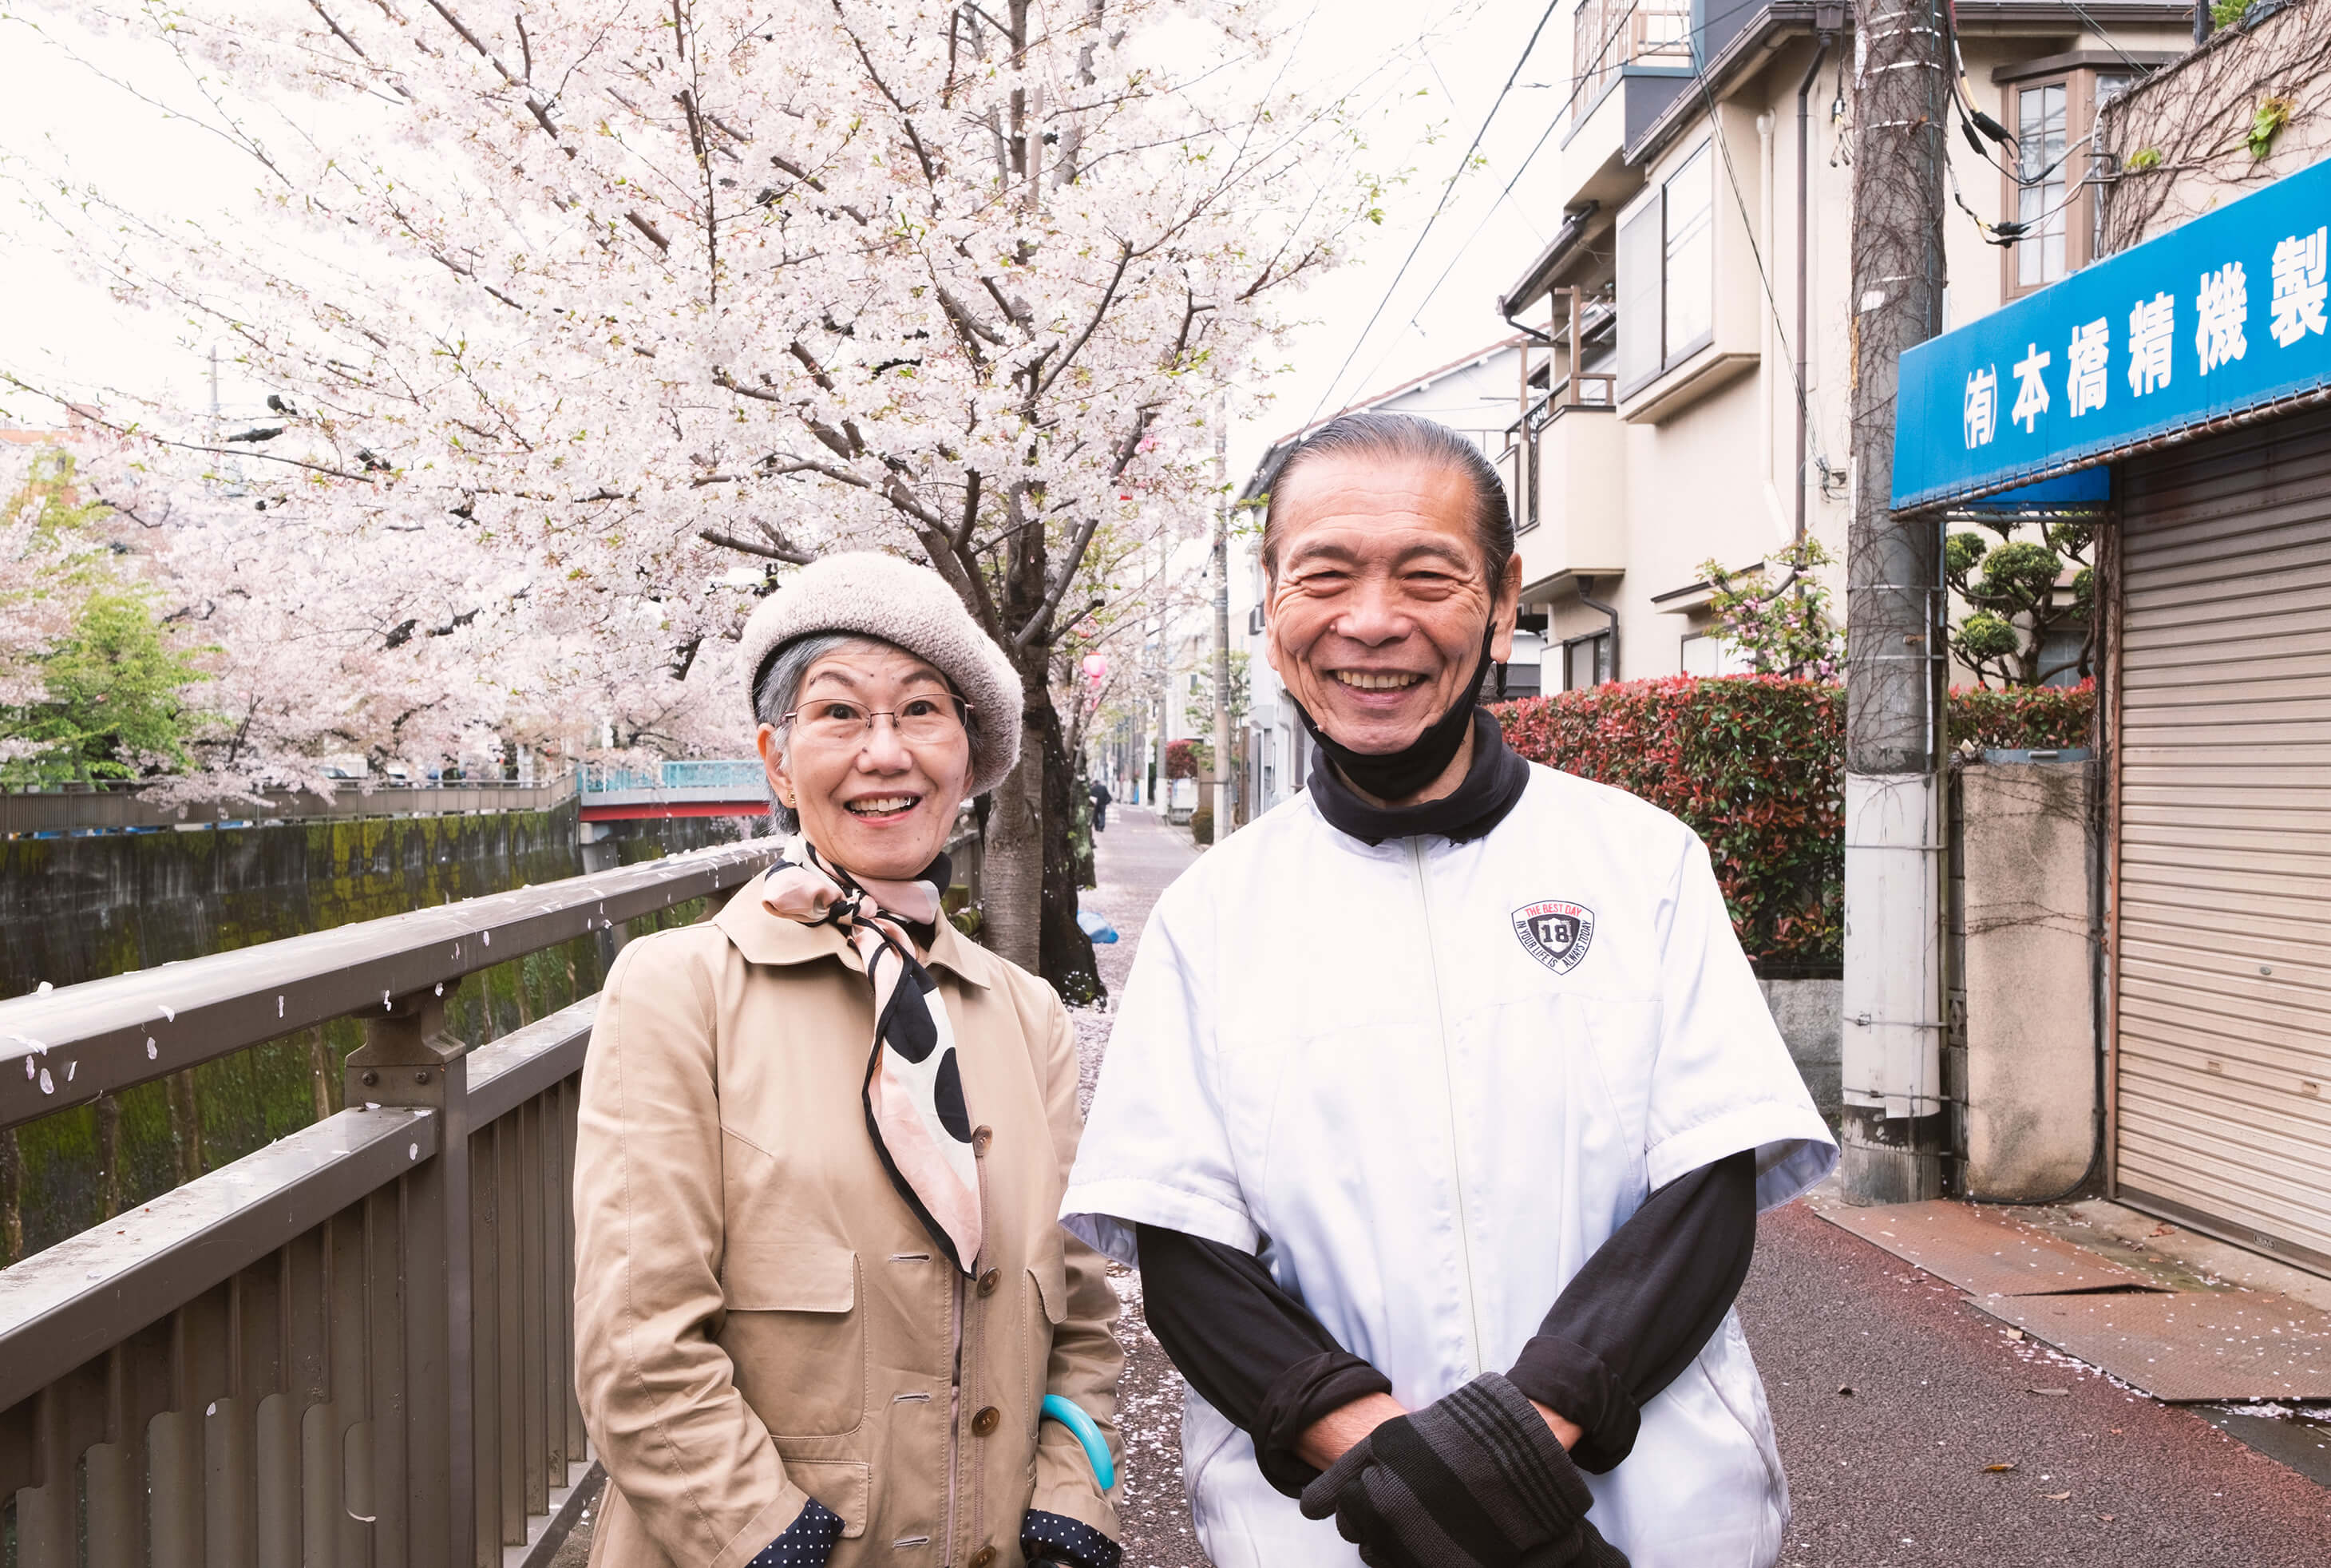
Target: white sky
[54,110]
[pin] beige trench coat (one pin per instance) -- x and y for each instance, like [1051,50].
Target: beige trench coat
[758,1317]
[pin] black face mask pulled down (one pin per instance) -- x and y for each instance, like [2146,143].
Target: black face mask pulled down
[1391,775]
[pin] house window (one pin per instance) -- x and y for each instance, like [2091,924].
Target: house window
[1705,654]
[2040,138]
[2060,655]
[1585,661]
[1666,273]
[2052,119]
[1690,277]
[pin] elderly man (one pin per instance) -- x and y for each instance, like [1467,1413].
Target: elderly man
[1442,1101]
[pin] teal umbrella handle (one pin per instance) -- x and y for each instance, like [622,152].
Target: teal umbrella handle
[1082,1428]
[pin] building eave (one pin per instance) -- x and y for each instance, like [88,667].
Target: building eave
[1533,280]
[1514,340]
[1775,23]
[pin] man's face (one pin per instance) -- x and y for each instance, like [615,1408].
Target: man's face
[1380,595]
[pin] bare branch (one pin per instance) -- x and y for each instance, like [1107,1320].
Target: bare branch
[1100,312]
[754,547]
[649,229]
[962,534]
[787,164]
[317,6]
[470,38]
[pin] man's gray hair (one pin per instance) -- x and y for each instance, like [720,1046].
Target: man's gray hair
[779,692]
[1372,433]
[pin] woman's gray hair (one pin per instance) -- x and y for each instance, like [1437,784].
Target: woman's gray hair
[779,692]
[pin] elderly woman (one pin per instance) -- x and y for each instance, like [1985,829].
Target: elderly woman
[820,1293]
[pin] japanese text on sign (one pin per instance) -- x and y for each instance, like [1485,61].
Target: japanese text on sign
[2225,313]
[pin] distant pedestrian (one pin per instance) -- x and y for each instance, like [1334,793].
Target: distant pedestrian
[822,1293]
[1100,803]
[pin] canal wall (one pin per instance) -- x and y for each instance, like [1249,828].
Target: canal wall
[77,910]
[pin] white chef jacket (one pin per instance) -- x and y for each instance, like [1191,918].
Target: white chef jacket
[1427,1080]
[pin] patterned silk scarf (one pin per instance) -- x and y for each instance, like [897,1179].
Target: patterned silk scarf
[915,1109]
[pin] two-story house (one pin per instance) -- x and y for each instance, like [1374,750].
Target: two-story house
[1689,327]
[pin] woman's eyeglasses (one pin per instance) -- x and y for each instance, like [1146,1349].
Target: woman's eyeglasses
[919,720]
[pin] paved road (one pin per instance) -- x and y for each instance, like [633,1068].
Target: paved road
[1895,1472]
[1136,858]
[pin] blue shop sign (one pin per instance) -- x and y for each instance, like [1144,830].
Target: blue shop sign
[2224,313]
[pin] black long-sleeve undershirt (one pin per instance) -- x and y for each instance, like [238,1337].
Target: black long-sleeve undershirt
[1624,1327]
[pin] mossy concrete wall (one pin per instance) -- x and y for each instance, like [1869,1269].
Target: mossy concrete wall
[77,910]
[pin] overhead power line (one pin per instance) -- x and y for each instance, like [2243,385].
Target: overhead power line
[1437,208]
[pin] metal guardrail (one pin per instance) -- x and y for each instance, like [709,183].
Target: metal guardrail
[354,1345]
[117,811]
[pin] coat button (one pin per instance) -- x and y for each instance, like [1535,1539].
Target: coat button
[983,1558]
[990,1280]
[984,1423]
[980,1138]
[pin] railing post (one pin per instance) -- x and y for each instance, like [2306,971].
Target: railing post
[428,1467]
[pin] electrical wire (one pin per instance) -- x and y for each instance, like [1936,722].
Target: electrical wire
[2110,41]
[1772,305]
[1437,208]
[1554,123]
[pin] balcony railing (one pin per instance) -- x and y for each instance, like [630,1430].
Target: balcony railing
[354,1345]
[1613,33]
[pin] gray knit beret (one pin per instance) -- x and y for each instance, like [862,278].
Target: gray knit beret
[913,608]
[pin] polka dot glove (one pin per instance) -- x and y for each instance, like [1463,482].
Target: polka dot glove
[807,1542]
[1049,1538]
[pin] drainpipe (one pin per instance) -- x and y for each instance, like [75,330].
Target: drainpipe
[1586,597]
[1805,138]
[1536,335]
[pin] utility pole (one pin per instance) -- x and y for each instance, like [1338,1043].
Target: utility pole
[1221,621]
[1896,662]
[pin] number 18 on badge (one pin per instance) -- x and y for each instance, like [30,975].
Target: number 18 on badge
[1555,933]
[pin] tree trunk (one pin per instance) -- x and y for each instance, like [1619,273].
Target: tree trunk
[1029,904]
[1013,862]
[1065,949]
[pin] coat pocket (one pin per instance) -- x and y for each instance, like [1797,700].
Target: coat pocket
[1044,1307]
[797,1335]
[839,1485]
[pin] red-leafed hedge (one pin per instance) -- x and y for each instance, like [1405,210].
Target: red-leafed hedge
[1754,763]
[2026,718]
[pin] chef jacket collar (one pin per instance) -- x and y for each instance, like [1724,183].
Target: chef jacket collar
[1493,786]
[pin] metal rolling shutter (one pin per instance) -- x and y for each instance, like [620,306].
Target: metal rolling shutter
[2224,974]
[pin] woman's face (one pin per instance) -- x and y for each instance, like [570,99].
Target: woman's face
[877,802]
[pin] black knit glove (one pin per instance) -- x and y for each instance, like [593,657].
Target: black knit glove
[1474,1481]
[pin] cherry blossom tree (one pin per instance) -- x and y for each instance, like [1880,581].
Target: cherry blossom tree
[622,295]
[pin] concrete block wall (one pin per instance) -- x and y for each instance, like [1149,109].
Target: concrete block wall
[2028,969]
[1810,1015]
